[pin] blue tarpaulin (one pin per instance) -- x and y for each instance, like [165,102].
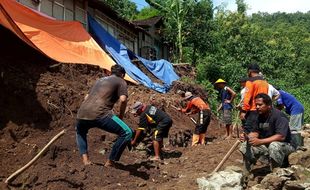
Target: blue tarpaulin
[162,69]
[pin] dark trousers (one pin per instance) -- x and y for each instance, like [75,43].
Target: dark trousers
[250,121]
[110,124]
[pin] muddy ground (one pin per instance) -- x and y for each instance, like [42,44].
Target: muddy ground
[40,97]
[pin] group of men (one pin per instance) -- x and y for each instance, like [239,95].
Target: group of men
[268,135]
[97,111]
[266,130]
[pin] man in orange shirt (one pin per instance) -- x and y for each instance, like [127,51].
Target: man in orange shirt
[254,85]
[197,105]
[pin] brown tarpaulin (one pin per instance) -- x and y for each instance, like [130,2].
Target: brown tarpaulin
[63,41]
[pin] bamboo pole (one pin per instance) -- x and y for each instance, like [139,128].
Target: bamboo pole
[19,171]
[231,150]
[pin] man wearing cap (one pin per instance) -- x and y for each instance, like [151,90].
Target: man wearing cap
[195,105]
[96,111]
[152,120]
[253,86]
[227,96]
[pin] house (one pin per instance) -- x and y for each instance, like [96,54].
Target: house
[152,45]
[141,37]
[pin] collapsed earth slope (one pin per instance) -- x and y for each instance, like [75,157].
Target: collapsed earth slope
[40,97]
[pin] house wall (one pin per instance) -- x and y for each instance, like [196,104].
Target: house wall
[60,9]
[125,35]
[147,45]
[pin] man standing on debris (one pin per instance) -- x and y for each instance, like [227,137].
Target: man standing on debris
[254,85]
[96,111]
[270,138]
[227,96]
[152,120]
[197,105]
[296,111]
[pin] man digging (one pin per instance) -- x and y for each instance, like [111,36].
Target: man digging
[96,111]
[195,105]
[152,120]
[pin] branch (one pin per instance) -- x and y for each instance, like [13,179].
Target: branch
[15,174]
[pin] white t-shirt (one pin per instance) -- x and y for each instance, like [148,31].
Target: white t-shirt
[242,94]
[272,92]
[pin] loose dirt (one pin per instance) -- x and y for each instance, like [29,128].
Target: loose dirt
[40,97]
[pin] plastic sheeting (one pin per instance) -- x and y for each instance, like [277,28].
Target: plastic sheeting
[63,41]
[161,69]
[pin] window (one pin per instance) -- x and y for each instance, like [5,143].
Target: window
[64,10]
[30,3]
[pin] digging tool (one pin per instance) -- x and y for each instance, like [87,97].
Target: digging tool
[231,150]
[174,107]
[192,119]
[15,174]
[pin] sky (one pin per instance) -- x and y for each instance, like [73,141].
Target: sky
[270,6]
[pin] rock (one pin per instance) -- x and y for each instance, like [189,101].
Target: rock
[103,151]
[221,181]
[257,187]
[234,168]
[142,184]
[276,180]
[295,185]
[300,158]
[307,126]
[301,173]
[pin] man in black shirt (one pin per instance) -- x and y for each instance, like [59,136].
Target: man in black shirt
[270,137]
[153,120]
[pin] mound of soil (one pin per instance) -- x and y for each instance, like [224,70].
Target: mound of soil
[40,97]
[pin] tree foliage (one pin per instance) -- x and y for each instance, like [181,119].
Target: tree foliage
[125,8]
[175,13]
[147,12]
[222,44]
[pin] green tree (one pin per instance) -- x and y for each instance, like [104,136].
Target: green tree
[175,12]
[199,23]
[147,12]
[125,8]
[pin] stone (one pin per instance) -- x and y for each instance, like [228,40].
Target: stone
[234,168]
[300,158]
[295,185]
[257,187]
[222,180]
[301,173]
[273,182]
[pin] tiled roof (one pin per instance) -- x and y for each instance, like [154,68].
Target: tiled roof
[148,22]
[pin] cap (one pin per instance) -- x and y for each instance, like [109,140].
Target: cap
[254,67]
[188,95]
[219,81]
[135,107]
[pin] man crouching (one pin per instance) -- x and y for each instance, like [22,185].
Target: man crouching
[270,138]
[152,120]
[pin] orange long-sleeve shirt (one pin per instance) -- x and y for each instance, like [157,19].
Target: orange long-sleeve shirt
[253,86]
[197,103]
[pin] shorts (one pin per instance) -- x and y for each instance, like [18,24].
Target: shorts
[162,130]
[227,117]
[204,117]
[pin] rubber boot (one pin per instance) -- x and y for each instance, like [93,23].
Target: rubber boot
[195,140]
[202,138]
